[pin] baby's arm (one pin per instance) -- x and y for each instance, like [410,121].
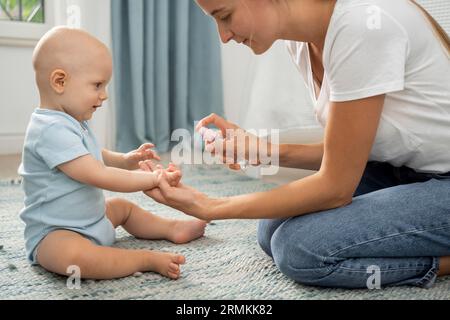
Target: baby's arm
[113,159]
[130,160]
[89,171]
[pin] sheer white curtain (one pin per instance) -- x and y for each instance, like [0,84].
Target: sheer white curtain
[268,92]
[265,92]
[440,10]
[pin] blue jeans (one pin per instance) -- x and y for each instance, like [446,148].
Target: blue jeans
[399,221]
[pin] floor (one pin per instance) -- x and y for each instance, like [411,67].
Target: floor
[9,165]
[226,264]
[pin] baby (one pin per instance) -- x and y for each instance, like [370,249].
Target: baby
[68,221]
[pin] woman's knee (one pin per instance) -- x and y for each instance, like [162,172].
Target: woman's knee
[264,237]
[266,229]
[298,258]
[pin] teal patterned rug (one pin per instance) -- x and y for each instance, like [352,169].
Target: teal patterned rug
[226,264]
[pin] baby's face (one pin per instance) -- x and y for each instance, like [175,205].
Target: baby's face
[86,88]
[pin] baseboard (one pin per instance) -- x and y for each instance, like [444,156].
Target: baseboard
[11,144]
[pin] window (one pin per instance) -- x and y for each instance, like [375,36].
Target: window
[31,11]
[24,22]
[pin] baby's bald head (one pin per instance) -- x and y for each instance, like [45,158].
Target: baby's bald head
[73,70]
[70,50]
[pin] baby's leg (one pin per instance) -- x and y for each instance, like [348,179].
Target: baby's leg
[62,248]
[145,225]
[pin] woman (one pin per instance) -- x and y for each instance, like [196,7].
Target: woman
[379,72]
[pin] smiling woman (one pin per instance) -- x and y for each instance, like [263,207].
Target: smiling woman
[380,196]
[247,22]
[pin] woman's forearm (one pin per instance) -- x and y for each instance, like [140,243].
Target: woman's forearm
[301,156]
[309,195]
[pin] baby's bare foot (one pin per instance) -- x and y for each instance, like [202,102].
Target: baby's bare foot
[166,264]
[187,231]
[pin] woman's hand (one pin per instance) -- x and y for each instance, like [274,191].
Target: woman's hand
[173,173]
[181,197]
[219,122]
[232,135]
[131,159]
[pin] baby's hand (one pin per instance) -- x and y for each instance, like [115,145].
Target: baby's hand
[173,173]
[133,158]
[173,177]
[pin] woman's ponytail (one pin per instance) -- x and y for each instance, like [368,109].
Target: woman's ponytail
[439,31]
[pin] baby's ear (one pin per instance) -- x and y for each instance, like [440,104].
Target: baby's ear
[58,81]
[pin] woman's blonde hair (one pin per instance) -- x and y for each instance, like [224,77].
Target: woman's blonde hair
[439,31]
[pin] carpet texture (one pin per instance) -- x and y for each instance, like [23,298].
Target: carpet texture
[226,264]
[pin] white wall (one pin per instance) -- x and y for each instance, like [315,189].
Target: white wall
[18,92]
[18,96]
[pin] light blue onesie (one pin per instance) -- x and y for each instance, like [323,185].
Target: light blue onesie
[54,201]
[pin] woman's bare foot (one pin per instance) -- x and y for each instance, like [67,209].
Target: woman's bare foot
[184,231]
[444,266]
[166,264]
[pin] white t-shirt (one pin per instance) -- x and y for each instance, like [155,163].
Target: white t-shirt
[376,47]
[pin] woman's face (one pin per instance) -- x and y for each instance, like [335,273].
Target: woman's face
[254,23]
